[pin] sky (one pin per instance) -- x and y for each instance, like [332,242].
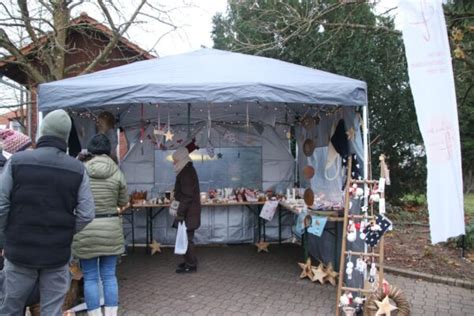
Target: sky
[193,19]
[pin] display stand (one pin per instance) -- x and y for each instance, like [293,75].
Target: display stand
[369,216]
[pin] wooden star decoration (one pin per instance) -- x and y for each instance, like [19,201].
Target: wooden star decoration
[307,269]
[262,246]
[331,274]
[319,274]
[384,307]
[351,134]
[155,247]
[169,135]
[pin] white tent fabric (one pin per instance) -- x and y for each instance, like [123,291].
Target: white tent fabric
[203,76]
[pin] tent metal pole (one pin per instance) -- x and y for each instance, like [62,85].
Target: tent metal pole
[365,137]
[189,121]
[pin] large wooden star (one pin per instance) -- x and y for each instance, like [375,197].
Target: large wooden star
[319,274]
[155,247]
[384,307]
[169,135]
[331,274]
[262,246]
[306,269]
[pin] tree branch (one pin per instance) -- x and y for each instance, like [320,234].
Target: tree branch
[113,41]
[12,49]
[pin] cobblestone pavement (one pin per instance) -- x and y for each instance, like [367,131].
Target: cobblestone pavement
[235,280]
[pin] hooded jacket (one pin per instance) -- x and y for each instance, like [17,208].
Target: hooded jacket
[104,235]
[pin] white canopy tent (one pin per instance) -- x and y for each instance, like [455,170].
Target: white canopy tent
[208,94]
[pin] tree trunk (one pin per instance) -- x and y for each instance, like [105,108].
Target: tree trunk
[61,17]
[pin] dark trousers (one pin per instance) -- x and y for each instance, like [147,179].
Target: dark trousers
[190,255]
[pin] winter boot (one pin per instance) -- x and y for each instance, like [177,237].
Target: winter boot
[111,310]
[95,312]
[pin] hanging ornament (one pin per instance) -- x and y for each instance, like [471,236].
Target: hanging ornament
[351,232]
[209,147]
[169,135]
[372,273]
[349,266]
[346,299]
[361,265]
[158,131]
[362,229]
[142,125]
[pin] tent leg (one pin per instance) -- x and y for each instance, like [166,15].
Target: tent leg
[189,120]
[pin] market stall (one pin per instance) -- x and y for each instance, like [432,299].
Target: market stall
[259,123]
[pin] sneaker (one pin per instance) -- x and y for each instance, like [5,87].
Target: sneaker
[186,269]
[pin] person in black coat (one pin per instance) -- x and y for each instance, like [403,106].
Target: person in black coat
[186,191]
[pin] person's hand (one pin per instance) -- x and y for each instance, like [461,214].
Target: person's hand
[122,209]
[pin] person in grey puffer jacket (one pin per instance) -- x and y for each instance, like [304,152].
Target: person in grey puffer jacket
[100,243]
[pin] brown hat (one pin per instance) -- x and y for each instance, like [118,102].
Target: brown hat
[308,172]
[308,147]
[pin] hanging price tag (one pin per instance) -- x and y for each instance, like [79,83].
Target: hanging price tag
[268,210]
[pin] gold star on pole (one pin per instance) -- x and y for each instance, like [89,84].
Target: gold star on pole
[384,307]
[155,247]
[331,274]
[319,274]
[262,246]
[307,271]
[351,134]
[169,135]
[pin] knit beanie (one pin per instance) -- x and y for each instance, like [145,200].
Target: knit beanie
[14,141]
[56,123]
[99,144]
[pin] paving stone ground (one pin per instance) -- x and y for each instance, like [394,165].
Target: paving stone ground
[235,280]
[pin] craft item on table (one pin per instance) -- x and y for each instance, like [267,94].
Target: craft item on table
[331,274]
[319,274]
[308,172]
[317,225]
[155,247]
[306,268]
[138,197]
[262,246]
[308,197]
[375,230]
[349,266]
[268,210]
[308,147]
[382,308]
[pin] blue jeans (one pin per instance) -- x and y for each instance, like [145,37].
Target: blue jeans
[105,267]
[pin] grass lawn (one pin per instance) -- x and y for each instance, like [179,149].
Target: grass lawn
[469,204]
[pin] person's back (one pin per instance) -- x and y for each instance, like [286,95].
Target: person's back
[45,197]
[101,242]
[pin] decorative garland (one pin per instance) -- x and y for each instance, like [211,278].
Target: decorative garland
[395,294]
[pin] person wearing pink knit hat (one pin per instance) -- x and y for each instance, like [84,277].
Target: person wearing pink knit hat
[14,141]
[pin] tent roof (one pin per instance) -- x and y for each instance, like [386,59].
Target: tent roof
[202,77]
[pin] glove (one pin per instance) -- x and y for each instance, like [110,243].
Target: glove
[174,208]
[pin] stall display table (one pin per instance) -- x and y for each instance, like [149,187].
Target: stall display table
[152,210]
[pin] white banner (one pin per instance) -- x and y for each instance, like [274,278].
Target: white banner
[432,85]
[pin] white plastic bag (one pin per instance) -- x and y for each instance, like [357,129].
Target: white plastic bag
[181,245]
